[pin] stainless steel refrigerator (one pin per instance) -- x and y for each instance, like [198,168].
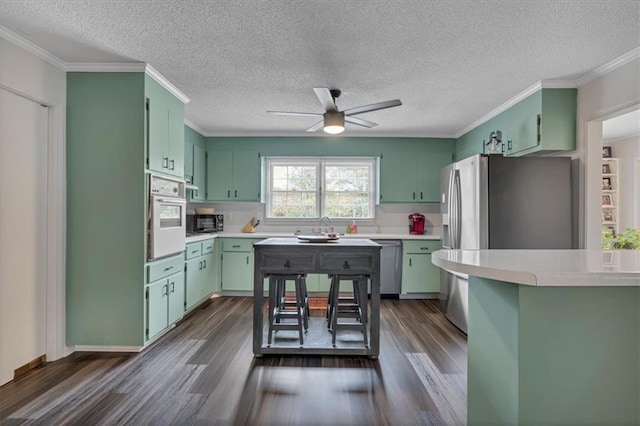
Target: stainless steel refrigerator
[497,202]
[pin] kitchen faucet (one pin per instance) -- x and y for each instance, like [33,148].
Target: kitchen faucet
[323,220]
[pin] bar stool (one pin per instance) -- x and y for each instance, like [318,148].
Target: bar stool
[353,306]
[281,309]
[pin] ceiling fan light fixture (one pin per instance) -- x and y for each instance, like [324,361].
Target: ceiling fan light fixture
[333,122]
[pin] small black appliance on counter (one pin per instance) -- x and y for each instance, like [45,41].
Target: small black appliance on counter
[205,223]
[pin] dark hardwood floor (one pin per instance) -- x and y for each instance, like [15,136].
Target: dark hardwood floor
[203,372]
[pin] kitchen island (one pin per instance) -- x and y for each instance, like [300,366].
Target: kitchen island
[294,256]
[554,335]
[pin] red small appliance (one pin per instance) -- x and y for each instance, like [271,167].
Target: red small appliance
[416,224]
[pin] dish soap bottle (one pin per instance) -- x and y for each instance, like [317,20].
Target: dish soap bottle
[353,228]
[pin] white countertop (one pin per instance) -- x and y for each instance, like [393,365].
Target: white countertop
[552,268]
[223,234]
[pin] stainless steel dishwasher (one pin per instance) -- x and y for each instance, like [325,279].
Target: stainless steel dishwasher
[390,268]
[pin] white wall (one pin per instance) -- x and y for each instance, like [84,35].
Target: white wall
[627,151]
[27,75]
[612,94]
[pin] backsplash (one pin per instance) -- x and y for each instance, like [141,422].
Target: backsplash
[390,218]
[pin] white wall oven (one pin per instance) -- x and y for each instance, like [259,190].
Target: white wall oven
[167,216]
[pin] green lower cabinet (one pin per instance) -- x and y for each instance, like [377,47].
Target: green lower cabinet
[237,264]
[193,282]
[237,271]
[165,299]
[419,275]
[201,272]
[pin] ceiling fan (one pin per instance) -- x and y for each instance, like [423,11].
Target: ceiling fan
[333,119]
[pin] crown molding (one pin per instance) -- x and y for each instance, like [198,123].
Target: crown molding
[195,127]
[543,84]
[37,51]
[106,67]
[151,72]
[608,67]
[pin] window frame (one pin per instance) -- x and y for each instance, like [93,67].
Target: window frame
[321,162]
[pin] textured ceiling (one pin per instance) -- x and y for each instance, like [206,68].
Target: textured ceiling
[450,62]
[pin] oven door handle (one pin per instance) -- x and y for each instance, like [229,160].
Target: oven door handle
[162,200]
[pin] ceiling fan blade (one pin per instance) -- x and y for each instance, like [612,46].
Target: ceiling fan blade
[319,125]
[325,98]
[372,107]
[302,114]
[360,122]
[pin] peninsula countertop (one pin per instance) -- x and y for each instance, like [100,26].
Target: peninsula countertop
[546,268]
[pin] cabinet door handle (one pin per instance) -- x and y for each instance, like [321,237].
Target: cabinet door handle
[173,287]
[229,193]
[235,193]
[409,261]
[205,264]
[235,246]
[414,195]
[165,161]
[165,290]
[346,265]
[424,248]
[287,264]
[200,264]
[509,145]
[173,164]
[194,251]
[247,260]
[168,268]
[421,195]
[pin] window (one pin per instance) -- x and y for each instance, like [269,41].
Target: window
[311,187]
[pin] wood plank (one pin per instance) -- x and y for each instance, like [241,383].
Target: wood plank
[204,372]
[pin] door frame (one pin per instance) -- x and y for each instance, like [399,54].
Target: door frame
[593,175]
[55,227]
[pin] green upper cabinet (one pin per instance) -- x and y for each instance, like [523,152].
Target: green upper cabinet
[188,159]
[166,130]
[543,122]
[195,163]
[199,173]
[410,177]
[233,176]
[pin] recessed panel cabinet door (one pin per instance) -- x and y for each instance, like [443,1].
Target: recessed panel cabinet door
[199,172]
[157,313]
[208,274]
[158,128]
[193,281]
[414,272]
[397,178]
[176,297]
[429,166]
[219,175]
[246,176]
[237,271]
[175,148]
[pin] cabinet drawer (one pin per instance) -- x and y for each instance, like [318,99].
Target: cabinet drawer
[425,247]
[207,246]
[345,262]
[193,250]
[237,244]
[278,263]
[165,267]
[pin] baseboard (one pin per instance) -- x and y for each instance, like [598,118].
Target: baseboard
[92,348]
[31,365]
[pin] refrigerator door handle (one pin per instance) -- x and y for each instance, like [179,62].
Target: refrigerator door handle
[458,214]
[451,209]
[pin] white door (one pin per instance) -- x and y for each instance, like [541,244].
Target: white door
[23,215]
